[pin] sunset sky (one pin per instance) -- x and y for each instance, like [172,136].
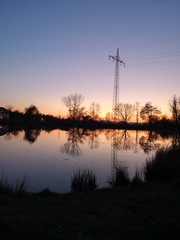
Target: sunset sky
[53,48]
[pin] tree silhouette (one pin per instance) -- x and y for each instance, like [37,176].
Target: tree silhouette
[31,110]
[126,111]
[94,110]
[108,116]
[149,112]
[73,103]
[174,105]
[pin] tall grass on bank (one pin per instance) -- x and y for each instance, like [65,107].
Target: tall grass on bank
[164,166]
[5,187]
[83,180]
[121,176]
[21,186]
[138,178]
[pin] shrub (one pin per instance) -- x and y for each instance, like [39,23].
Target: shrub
[83,180]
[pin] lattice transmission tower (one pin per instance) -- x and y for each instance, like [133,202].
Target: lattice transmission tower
[118,61]
[115,115]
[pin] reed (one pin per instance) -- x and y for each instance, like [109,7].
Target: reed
[164,166]
[5,187]
[121,176]
[21,186]
[138,178]
[83,180]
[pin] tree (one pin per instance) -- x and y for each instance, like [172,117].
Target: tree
[108,116]
[32,110]
[137,112]
[73,103]
[149,112]
[126,111]
[94,110]
[174,105]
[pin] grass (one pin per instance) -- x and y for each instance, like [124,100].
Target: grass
[21,186]
[138,178]
[164,166]
[139,213]
[5,187]
[83,180]
[121,176]
[147,211]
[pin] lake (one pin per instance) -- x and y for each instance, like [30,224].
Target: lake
[48,158]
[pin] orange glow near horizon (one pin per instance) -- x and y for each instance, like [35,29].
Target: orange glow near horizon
[61,111]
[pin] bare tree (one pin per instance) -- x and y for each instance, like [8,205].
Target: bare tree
[73,103]
[137,112]
[174,105]
[108,116]
[126,111]
[149,112]
[94,110]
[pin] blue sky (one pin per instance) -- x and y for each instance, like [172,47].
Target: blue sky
[53,48]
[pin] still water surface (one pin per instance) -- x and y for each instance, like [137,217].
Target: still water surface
[48,159]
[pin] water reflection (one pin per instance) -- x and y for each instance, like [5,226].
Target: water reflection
[124,139]
[121,140]
[75,136]
[93,141]
[4,130]
[149,142]
[31,135]
[43,160]
[9,135]
[176,140]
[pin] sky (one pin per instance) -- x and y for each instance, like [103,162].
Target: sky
[54,48]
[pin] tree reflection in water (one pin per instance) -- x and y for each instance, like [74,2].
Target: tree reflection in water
[93,139]
[149,142]
[10,135]
[75,136]
[176,140]
[120,140]
[4,130]
[31,135]
[124,139]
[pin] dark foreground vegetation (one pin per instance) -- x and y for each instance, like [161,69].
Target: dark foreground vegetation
[145,207]
[146,212]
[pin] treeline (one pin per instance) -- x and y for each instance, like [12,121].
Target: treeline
[79,116]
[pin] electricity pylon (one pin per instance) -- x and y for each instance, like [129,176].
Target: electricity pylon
[115,111]
[114,154]
[115,115]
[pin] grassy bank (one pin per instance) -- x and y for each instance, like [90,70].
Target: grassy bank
[133,212]
[141,208]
